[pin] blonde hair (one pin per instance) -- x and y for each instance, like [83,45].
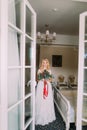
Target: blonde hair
[48,64]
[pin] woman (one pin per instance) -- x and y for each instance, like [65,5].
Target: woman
[44,96]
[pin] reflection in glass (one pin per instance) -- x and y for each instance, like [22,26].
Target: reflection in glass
[28,109]
[29,127]
[27,81]
[84,107]
[13,48]
[28,21]
[85,57]
[14,86]
[14,15]
[28,52]
[85,87]
[85,27]
[85,81]
[15,118]
[84,125]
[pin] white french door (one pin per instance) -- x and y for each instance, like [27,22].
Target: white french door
[17,65]
[82,74]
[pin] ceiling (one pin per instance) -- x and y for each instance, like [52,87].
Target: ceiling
[61,16]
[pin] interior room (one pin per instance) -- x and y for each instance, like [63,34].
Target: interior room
[55,17]
[61,17]
[65,46]
[54,30]
[69,61]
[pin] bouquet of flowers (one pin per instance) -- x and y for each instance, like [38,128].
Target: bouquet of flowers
[44,75]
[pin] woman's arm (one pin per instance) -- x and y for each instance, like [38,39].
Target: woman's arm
[39,75]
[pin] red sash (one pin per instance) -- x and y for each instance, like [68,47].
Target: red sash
[45,89]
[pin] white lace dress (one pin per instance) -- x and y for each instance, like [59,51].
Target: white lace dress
[45,112]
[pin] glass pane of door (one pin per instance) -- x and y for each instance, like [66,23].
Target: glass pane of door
[28,52]
[85,36]
[14,47]
[84,107]
[85,54]
[29,127]
[85,81]
[28,21]
[15,14]
[15,118]
[27,81]
[28,109]
[14,86]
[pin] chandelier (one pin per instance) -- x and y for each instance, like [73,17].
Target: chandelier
[47,37]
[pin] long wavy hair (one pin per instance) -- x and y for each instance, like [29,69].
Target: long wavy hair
[48,64]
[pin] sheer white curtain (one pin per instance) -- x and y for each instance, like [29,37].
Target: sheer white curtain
[13,60]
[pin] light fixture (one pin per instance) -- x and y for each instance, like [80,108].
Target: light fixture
[47,37]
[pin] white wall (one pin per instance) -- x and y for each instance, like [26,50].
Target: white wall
[69,59]
[65,40]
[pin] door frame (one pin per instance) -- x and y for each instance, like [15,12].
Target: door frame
[80,70]
[4,63]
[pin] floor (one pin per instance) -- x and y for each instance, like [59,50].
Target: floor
[58,124]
